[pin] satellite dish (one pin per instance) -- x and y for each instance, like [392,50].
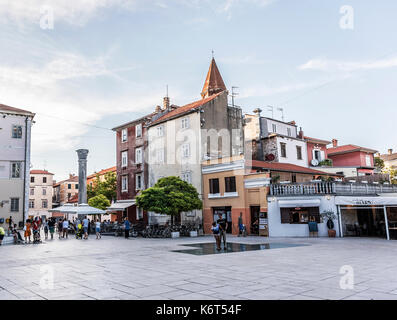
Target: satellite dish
[314,162]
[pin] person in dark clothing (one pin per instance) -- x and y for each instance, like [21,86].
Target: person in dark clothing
[126,228]
[222,229]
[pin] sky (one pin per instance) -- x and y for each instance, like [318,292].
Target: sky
[87,66]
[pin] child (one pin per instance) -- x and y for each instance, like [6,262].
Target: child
[98,229]
[27,231]
[217,236]
[46,229]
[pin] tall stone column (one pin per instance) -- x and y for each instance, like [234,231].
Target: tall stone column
[82,154]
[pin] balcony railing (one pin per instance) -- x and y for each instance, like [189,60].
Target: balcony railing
[337,188]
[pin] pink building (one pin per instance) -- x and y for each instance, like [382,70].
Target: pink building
[316,150]
[352,156]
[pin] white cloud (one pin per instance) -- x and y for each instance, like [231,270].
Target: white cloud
[347,66]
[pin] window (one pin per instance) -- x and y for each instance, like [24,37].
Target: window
[69,186]
[138,130]
[17,132]
[160,131]
[76,186]
[138,156]
[44,204]
[160,156]
[139,213]
[69,195]
[230,184]
[124,159]
[138,182]
[185,123]
[31,204]
[299,152]
[299,215]
[274,127]
[124,135]
[289,132]
[187,176]
[32,179]
[368,160]
[124,183]
[32,191]
[44,191]
[186,150]
[214,186]
[14,204]
[283,147]
[44,179]
[15,169]
[293,178]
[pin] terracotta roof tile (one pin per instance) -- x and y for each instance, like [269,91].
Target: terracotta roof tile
[213,83]
[8,109]
[40,172]
[185,109]
[277,166]
[348,148]
[102,172]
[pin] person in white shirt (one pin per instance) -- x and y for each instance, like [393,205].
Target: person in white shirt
[65,228]
[85,227]
[98,229]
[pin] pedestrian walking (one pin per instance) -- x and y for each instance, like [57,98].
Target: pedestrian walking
[51,227]
[223,227]
[60,228]
[98,229]
[46,228]
[215,232]
[65,228]
[126,228]
[27,230]
[85,227]
[2,234]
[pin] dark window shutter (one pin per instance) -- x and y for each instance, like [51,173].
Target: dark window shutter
[285,215]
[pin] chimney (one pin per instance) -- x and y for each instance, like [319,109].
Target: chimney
[257,112]
[390,151]
[71,175]
[300,134]
[166,103]
[334,143]
[82,154]
[158,109]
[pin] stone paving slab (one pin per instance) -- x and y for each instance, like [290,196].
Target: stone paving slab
[116,268]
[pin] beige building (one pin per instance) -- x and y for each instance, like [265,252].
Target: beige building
[15,132]
[64,190]
[390,159]
[40,193]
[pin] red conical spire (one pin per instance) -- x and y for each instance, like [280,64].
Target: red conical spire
[213,83]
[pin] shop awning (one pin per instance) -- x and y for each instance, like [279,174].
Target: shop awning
[366,201]
[299,203]
[120,205]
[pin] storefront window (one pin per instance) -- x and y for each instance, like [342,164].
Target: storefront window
[299,215]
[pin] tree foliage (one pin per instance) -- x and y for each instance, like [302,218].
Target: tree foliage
[379,163]
[99,202]
[107,187]
[170,196]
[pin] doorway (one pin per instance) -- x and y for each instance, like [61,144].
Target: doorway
[255,219]
[226,213]
[363,222]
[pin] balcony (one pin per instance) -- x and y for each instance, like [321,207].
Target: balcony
[335,188]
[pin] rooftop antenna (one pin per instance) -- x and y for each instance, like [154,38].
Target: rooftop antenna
[167,90]
[271,108]
[234,94]
[212,51]
[282,113]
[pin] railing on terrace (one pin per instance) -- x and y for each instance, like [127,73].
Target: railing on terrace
[340,188]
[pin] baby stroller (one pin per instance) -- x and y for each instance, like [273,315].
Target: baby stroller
[79,232]
[36,236]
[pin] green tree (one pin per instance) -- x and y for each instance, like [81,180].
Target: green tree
[99,202]
[392,174]
[379,163]
[107,187]
[171,196]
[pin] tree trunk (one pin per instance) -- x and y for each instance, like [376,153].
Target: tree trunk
[172,220]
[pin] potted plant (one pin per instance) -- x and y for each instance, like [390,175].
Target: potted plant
[330,216]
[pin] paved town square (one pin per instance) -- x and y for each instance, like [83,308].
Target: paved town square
[116,268]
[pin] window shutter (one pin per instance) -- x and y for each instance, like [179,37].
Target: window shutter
[285,215]
[322,155]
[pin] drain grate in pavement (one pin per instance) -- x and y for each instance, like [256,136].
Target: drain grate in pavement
[210,248]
